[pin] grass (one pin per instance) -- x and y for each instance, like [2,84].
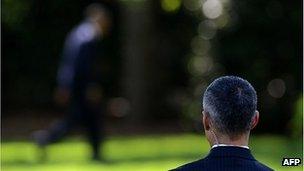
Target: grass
[157,152]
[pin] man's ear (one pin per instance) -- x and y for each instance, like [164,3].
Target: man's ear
[255,119]
[206,121]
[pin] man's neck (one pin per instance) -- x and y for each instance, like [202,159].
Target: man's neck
[241,141]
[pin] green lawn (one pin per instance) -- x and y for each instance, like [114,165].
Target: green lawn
[159,152]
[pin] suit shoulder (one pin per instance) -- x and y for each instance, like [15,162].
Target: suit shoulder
[190,166]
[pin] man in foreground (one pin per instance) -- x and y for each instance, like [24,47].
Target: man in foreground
[229,113]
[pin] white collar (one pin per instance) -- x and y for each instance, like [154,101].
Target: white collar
[228,145]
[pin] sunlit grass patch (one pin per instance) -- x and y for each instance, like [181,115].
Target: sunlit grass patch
[151,152]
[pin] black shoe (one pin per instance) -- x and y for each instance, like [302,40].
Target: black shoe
[98,158]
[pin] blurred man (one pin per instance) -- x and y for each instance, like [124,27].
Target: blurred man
[76,81]
[229,113]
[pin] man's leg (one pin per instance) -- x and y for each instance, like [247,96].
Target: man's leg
[93,124]
[58,129]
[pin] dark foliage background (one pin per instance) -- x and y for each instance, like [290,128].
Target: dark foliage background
[262,43]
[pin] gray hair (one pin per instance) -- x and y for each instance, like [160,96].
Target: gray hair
[231,103]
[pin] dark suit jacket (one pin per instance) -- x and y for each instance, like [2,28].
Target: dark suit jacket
[226,159]
[79,54]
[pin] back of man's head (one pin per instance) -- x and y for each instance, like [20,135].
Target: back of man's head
[231,103]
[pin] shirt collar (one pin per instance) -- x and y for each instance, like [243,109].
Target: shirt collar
[230,151]
[228,145]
